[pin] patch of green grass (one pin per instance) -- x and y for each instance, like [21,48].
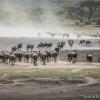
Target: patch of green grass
[35,73]
[64,75]
[54,76]
[94,73]
[54,81]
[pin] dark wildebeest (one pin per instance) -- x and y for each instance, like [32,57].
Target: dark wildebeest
[60,45]
[27,57]
[19,56]
[69,57]
[82,42]
[74,56]
[1,57]
[34,58]
[49,55]
[57,49]
[44,57]
[12,59]
[89,57]
[88,43]
[5,57]
[55,55]
[98,60]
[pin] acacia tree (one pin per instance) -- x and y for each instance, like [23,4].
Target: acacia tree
[97,4]
[81,13]
[90,4]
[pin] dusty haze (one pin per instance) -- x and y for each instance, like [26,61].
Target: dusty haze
[27,18]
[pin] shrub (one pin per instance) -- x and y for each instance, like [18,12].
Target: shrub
[97,21]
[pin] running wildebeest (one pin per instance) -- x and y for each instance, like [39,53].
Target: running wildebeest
[5,57]
[72,56]
[98,60]
[55,55]
[82,42]
[61,45]
[34,58]
[49,55]
[19,56]
[69,57]
[88,43]
[26,57]
[12,59]
[89,57]
[44,57]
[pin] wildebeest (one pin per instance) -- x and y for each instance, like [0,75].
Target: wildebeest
[72,56]
[89,57]
[98,60]
[19,56]
[82,42]
[12,59]
[26,57]
[4,57]
[54,56]
[49,55]
[44,57]
[69,57]
[88,43]
[34,58]
[60,45]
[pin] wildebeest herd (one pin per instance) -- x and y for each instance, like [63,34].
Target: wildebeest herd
[34,57]
[30,55]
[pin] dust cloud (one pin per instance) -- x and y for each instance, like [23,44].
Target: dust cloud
[27,18]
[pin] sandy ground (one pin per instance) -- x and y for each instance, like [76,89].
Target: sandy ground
[91,88]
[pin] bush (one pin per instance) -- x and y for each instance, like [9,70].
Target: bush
[97,21]
[86,22]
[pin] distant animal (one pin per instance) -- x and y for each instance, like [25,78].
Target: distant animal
[89,57]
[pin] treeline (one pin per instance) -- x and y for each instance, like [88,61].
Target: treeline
[86,12]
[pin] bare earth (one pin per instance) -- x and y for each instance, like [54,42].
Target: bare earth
[90,88]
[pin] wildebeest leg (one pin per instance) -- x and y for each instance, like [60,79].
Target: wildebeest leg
[9,61]
[35,62]
[28,60]
[44,61]
[6,60]
[71,58]
[47,59]
[12,62]
[32,60]
[74,60]
[55,59]
[3,61]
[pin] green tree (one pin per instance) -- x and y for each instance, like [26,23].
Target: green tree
[90,4]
